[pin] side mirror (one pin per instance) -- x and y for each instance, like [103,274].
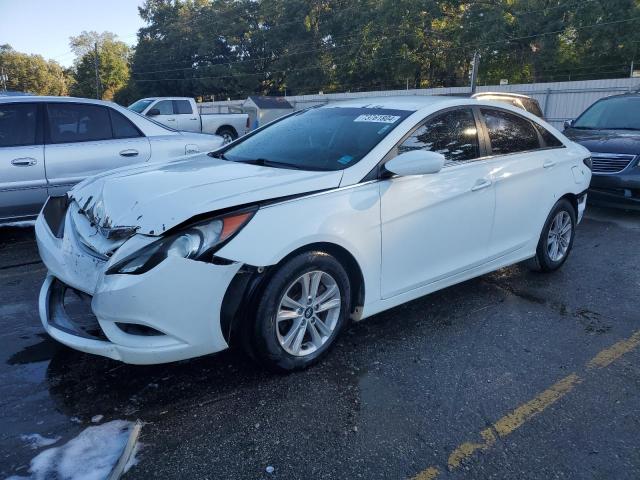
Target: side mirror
[153,112]
[568,124]
[415,162]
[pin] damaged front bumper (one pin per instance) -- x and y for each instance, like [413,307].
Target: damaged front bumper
[169,313]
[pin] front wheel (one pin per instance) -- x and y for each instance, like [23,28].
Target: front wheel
[556,239]
[302,311]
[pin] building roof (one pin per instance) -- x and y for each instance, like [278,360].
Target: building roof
[271,102]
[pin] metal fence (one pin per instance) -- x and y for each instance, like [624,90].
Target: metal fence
[560,101]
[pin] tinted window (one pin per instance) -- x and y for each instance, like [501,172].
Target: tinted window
[18,124]
[182,107]
[72,122]
[328,138]
[617,113]
[122,126]
[165,107]
[550,140]
[452,134]
[509,133]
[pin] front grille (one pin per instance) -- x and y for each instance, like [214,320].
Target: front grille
[609,163]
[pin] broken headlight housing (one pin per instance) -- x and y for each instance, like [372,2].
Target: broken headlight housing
[196,242]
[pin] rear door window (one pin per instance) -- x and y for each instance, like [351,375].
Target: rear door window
[74,122]
[509,133]
[453,134]
[182,107]
[18,124]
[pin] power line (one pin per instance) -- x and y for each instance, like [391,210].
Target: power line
[475,46]
[300,52]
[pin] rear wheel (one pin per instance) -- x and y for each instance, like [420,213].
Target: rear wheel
[227,134]
[556,239]
[303,309]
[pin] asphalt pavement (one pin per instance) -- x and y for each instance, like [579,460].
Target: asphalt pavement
[512,375]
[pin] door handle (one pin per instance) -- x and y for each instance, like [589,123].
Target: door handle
[129,153]
[481,185]
[24,162]
[548,164]
[194,119]
[171,119]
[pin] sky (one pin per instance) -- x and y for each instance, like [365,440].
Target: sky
[44,26]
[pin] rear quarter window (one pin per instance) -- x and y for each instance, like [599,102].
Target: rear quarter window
[509,133]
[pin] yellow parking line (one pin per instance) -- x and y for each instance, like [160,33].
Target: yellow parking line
[611,354]
[518,417]
[428,474]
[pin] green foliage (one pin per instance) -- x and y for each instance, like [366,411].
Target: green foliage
[235,48]
[33,74]
[113,64]
[241,47]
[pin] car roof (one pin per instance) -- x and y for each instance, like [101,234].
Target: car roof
[400,102]
[34,98]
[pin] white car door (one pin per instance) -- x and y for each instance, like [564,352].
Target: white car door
[163,112]
[23,185]
[522,173]
[85,139]
[434,226]
[187,119]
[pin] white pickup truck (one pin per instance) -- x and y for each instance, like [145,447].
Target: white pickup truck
[181,113]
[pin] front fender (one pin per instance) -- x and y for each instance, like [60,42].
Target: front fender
[347,217]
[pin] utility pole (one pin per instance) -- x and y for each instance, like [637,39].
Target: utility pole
[474,71]
[4,79]
[95,62]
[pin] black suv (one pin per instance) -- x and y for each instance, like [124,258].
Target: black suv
[610,129]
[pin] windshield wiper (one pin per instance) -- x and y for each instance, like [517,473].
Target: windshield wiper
[623,128]
[263,162]
[217,155]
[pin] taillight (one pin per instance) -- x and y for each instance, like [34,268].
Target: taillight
[587,161]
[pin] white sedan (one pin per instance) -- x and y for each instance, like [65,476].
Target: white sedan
[276,241]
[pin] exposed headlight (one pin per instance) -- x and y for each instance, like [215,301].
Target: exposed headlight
[197,242]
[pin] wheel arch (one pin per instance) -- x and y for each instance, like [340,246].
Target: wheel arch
[573,199]
[240,299]
[227,127]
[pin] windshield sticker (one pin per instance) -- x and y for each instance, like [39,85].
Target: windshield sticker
[384,129]
[345,159]
[377,118]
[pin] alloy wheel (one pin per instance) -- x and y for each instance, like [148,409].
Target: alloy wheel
[308,313]
[559,237]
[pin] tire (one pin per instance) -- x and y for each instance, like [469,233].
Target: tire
[276,338]
[227,134]
[547,258]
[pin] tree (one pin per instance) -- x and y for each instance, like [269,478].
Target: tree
[235,48]
[33,74]
[113,65]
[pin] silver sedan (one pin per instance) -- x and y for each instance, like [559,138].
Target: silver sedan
[48,144]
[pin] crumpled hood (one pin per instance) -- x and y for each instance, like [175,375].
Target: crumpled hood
[156,197]
[606,141]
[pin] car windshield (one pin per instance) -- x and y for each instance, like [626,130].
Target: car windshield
[329,138]
[618,113]
[140,105]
